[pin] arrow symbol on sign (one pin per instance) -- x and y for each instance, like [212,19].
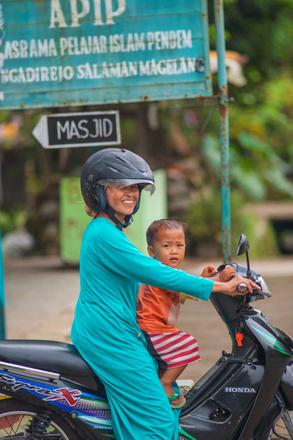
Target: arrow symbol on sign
[40,132]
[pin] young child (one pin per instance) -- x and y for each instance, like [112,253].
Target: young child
[158,309]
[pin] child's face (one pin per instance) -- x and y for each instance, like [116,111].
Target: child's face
[168,246]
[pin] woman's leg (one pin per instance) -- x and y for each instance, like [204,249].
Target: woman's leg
[139,407]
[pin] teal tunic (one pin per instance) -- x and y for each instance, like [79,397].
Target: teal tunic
[106,333]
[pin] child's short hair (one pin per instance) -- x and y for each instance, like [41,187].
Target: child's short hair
[167,223]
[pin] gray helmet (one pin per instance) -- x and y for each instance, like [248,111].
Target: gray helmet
[113,166]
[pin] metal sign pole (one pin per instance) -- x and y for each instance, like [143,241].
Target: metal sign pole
[224,130]
[2,295]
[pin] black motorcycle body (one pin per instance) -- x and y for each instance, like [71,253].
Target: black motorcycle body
[247,390]
[48,391]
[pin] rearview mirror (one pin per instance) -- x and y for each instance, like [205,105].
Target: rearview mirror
[242,248]
[243,245]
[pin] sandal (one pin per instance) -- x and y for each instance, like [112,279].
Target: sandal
[176,396]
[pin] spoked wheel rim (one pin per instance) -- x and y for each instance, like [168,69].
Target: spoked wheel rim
[283,429]
[14,425]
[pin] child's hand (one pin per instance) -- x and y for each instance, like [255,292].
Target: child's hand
[227,273]
[208,271]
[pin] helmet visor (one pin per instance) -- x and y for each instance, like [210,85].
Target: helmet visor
[148,185]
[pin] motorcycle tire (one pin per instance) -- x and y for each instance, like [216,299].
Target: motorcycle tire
[280,427]
[16,419]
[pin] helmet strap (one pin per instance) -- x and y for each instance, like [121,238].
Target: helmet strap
[128,219]
[101,197]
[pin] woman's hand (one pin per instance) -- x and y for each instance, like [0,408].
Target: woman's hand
[230,287]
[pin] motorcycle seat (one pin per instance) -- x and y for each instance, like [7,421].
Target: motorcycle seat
[56,357]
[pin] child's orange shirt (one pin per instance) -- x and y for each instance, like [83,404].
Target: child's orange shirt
[157,309]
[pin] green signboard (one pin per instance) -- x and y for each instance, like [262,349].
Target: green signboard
[79,52]
[73,219]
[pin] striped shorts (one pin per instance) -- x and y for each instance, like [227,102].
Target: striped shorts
[173,350]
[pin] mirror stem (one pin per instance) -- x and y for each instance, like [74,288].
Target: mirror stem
[248,264]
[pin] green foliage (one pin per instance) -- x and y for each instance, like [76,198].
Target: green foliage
[255,167]
[204,225]
[263,31]
[261,127]
[12,220]
[204,216]
[261,236]
[5,115]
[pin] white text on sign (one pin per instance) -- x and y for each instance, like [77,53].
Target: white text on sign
[82,8]
[100,128]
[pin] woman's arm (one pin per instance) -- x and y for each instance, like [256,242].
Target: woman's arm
[116,253]
[119,255]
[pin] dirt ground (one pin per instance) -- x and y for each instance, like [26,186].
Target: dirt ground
[41,295]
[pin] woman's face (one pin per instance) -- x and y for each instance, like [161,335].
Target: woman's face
[123,200]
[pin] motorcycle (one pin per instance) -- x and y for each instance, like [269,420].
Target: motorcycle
[49,392]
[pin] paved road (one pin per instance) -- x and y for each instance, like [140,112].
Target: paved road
[41,295]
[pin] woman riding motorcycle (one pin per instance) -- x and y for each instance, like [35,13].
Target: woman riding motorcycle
[105,330]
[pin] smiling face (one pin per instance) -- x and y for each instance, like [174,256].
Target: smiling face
[122,200]
[168,246]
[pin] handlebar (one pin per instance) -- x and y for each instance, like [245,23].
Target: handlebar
[255,277]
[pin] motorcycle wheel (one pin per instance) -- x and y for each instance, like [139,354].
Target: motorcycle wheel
[282,427]
[17,417]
